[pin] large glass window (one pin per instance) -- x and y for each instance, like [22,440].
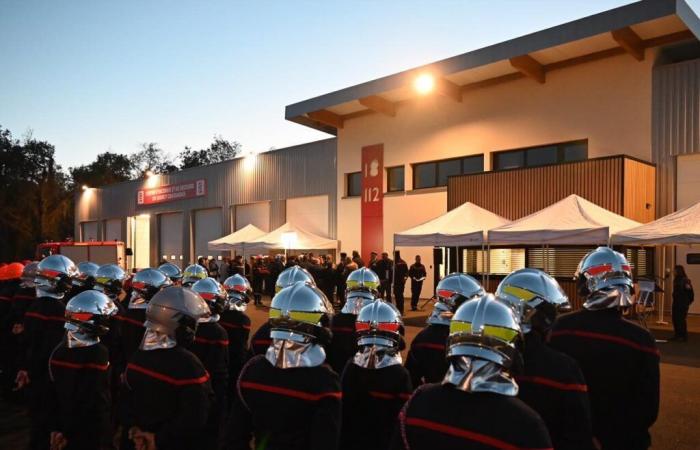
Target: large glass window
[541,156]
[395,179]
[433,174]
[354,184]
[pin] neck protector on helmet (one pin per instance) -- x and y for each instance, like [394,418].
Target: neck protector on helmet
[287,354]
[377,357]
[79,338]
[478,375]
[612,297]
[441,315]
[154,340]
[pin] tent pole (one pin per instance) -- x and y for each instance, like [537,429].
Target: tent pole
[488,263]
[393,271]
[483,266]
[244,261]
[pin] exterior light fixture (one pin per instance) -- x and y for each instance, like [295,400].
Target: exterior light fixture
[85,187]
[424,83]
[149,173]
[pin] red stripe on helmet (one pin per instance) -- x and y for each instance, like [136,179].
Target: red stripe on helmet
[168,379]
[598,270]
[49,273]
[82,316]
[446,293]
[361,326]
[388,326]
[207,295]
[138,285]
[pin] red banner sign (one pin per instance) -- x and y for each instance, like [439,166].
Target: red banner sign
[372,200]
[171,192]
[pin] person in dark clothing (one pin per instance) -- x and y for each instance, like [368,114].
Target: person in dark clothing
[384,269]
[340,280]
[400,276]
[289,398]
[362,290]
[237,325]
[417,275]
[276,268]
[85,280]
[619,359]
[167,390]
[22,298]
[257,278]
[683,296]
[426,357]
[43,331]
[375,384]
[211,347]
[79,396]
[11,276]
[475,406]
[550,382]
[357,259]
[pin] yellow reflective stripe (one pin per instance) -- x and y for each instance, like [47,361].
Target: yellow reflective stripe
[504,334]
[522,294]
[351,284]
[275,313]
[300,316]
[460,327]
[277,289]
[102,280]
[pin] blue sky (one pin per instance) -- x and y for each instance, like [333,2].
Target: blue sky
[90,76]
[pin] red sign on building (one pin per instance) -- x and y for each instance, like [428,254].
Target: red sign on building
[372,200]
[171,192]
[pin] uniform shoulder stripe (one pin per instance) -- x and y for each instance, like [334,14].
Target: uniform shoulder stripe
[233,325]
[261,341]
[128,320]
[606,337]
[201,340]
[23,297]
[5,298]
[167,378]
[390,395]
[466,434]
[552,383]
[72,365]
[302,395]
[40,316]
[430,345]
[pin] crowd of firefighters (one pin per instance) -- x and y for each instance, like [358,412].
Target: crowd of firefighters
[163,360]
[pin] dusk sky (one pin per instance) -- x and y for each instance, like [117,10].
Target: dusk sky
[92,76]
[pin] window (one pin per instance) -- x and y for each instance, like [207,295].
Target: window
[395,179]
[503,260]
[432,174]
[541,156]
[354,184]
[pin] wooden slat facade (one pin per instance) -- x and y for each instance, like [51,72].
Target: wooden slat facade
[620,184]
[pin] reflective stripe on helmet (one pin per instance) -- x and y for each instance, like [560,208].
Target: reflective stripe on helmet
[300,316]
[502,333]
[457,326]
[354,284]
[523,294]
[381,326]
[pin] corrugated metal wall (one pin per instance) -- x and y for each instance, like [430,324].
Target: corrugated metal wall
[302,170]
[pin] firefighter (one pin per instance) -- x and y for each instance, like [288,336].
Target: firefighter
[211,347]
[475,406]
[288,398]
[172,271]
[192,274]
[237,325]
[79,397]
[362,289]
[167,391]
[426,357]
[85,280]
[110,279]
[43,330]
[618,358]
[550,382]
[375,383]
[21,300]
[261,338]
[12,280]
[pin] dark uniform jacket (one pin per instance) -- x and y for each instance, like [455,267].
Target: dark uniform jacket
[237,326]
[620,363]
[131,329]
[552,384]
[168,393]
[441,417]
[372,399]
[426,359]
[260,341]
[79,398]
[290,409]
[343,345]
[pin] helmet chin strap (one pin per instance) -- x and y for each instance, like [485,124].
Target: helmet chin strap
[287,354]
[477,375]
[377,357]
[154,340]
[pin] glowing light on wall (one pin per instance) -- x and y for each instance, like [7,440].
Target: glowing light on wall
[424,83]
[249,161]
[289,239]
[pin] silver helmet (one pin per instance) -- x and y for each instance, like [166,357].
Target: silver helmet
[86,274]
[147,282]
[535,296]
[604,278]
[299,312]
[87,317]
[486,329]
[171,271]
[357,299]
[110,279]
[54,276]
[362,279]
[291,275]
[238,289]
[379,323]
[29,274]
[213,293]
[175,311]
[457,288]
[192,274]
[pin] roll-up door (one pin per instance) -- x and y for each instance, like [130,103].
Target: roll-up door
[170,228]
[257,214]
[309,213]
[207,227]
[88,232]
[113,230]
[141,241]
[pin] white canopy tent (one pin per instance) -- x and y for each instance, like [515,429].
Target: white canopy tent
[679,228]
[463,226]
[237,240]
[292,237]
[570,221]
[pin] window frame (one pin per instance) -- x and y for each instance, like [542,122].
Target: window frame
[388,178]
[560,148]
[348,184]
[437,162]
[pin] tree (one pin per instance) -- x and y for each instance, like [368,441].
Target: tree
[151,158]
[107,168]
[218,151]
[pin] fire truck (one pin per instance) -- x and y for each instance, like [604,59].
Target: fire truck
[99,252]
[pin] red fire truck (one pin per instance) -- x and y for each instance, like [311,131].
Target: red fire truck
[99,252]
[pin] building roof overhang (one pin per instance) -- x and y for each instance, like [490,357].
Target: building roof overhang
[629,29]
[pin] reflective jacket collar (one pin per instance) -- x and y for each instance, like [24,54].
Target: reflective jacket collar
[477,375]
[377,357]
[287,354]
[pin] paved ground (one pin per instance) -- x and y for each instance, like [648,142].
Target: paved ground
[676,429]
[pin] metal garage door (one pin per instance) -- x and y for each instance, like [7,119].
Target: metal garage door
[309,213]
[88,231]
[687,194]
[207,227]
[170,228]
[257,214]
[113,230]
